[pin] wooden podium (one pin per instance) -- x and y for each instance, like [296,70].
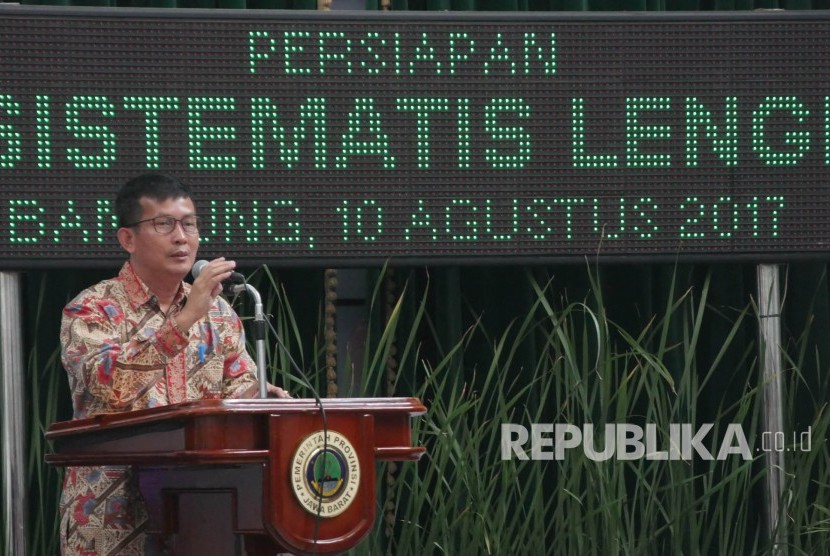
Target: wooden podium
[254,477]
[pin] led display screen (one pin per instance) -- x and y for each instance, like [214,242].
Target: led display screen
[328,139]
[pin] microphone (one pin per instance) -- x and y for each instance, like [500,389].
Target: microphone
[228,286]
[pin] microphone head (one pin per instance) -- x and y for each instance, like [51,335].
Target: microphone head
[198,267]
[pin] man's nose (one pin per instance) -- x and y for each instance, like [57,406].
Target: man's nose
[178,233]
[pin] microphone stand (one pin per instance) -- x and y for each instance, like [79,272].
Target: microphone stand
[259,339]
[259,332]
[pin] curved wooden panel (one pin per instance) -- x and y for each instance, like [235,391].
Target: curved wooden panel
[294,525]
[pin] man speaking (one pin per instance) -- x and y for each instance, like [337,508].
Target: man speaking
[145,339]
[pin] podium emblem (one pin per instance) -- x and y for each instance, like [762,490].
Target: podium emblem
[325,473]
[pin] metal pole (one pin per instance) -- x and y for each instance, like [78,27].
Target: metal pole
[259,333]
[769,317]
[13,422]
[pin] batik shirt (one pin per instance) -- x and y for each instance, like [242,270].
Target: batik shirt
[123,353]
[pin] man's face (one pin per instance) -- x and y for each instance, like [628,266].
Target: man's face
[161,256]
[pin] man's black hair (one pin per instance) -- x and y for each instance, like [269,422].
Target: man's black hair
[158,187]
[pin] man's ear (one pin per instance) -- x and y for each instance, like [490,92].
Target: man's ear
[126,237]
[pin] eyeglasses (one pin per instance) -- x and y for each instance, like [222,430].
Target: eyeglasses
[166,224]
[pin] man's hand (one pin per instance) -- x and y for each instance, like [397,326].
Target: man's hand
[277,392]
[205,288]
[273,392]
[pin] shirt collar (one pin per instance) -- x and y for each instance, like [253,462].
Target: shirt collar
[139,294]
